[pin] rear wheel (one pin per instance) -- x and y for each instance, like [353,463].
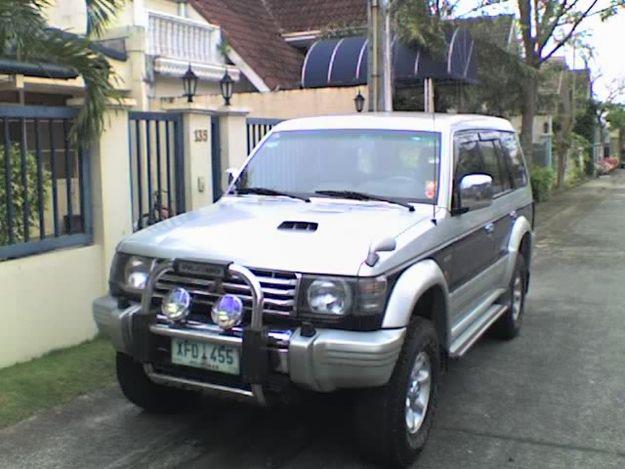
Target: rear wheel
[508,326]
[393,422]
[152,397]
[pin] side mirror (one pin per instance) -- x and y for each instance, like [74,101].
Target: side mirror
[231,172]
[476,192]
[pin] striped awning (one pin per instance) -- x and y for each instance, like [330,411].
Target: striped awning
[343,62]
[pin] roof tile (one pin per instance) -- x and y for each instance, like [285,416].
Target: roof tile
[254,34]
[312,15]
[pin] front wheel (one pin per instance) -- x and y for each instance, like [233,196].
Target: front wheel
[152,397]
[393,422]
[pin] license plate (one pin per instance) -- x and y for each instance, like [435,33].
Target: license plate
[214,357]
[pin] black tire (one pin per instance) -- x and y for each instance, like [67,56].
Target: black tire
[380,421]
[151,397]
[509,325]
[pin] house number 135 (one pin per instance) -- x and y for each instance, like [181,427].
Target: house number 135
[201,135]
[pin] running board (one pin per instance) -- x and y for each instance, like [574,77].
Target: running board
[469,336]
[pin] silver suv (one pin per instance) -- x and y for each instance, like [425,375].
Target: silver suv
[349,252]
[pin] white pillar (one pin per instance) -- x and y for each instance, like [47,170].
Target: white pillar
[232,139]
[428,95]
[198,168]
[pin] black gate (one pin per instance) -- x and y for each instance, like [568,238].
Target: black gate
[256,129]
[156,167]
[216,158]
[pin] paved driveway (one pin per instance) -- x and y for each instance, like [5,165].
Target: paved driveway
[555,397]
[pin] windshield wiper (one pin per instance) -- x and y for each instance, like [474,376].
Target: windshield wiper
[364,196]
[270,192]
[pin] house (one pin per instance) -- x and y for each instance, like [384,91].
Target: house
[264,45]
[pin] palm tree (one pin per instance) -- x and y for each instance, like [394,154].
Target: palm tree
[25,36]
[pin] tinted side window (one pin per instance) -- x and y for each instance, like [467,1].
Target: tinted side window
[468,159]
[494,166]
[514,158]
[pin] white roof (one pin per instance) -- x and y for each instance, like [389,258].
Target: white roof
[398,121]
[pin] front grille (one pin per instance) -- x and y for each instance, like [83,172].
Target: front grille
[279,291]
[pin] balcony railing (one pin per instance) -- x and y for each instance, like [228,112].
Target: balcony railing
[182,39]
[176,42]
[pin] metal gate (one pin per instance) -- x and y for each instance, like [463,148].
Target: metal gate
[216,158]
[156,167]
[256,129]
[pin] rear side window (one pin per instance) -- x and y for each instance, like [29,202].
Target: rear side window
[475,155]
[514,158]
[494,166]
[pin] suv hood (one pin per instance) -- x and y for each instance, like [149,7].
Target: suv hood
[245,230]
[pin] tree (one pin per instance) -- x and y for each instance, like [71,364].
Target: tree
[22,196]
[25,35]
[616,119]
[500,72]
[423,22]
[546,27]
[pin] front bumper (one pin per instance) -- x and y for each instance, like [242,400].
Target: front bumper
[329,360]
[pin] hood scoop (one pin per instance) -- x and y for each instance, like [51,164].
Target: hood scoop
[298,226]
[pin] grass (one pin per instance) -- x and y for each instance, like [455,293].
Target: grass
[53,379]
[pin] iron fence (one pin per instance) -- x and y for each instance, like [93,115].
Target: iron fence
[256,129]
[45,200]
[156,166]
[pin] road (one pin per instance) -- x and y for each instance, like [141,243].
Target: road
[555,397]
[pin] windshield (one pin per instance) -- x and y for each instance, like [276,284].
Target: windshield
[402,165]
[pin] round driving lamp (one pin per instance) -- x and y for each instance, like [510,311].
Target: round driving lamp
[227,312]
[175,305]
[326,296]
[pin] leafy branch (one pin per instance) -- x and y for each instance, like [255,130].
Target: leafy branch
[24,34]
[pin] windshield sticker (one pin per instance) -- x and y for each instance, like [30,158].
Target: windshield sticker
[430,190]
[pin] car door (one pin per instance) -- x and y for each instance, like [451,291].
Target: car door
[501,210]
[472,251]
[515,203]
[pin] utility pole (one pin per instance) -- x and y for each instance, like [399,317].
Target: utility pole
[379,70]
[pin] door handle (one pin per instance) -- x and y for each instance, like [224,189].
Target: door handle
[489,228]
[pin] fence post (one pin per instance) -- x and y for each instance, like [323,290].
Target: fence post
[196,142]
[232,139]
[110,179]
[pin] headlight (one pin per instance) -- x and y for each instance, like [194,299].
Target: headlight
[129,273]
[340,296]
[329,296]
[136,272]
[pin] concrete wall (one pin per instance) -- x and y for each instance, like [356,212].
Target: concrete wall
[540,122]
[46,301]
[171,87]
[46,298]
[69,15]
[289,104]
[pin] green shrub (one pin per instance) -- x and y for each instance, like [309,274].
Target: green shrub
[543,179]
[20,194]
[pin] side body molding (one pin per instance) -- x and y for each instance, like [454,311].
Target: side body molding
[520,228]
[410,286]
